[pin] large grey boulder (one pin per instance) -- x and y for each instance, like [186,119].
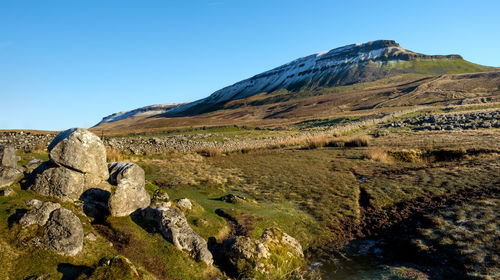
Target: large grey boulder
[58,181]
[174,227]
[81,150]
[9,171]
[8,157]
[130,194]
[64,232]
[77,163]
[9,176]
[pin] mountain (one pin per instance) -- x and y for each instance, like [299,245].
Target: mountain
[144,111]
[315,75]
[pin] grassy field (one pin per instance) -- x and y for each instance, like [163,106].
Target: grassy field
[324,192]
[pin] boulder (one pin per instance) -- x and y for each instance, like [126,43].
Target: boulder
[9,171]
[64,232]
[81,150]
[57,181]
[160,195]
[130,194]
[174,227]
[8,157]
[273,256]
[7,192]
[184,204]
[9,176]
[39,213]
[32,164]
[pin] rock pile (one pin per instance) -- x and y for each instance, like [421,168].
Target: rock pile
[9,171]
[130,194]
[464,121]
[174,227]
[77,163]
[77,170]
[63,231]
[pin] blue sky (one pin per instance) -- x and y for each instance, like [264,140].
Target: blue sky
[70,63]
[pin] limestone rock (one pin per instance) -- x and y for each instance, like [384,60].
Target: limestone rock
[273,255]
[91,237]
[64,232]
[81,150]
[58,181]
[8,157]
[9,176]
[39,213]
[174,227]
[184,204]
[32,164]
[160,195]
[7,192]
[9,171]
[130,194]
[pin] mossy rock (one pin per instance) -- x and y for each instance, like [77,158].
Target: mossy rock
[275,255]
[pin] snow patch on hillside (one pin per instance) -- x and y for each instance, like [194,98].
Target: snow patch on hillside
[144,111]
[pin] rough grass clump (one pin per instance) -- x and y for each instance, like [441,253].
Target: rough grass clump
[209,152]
[363,141]
[113,155]
[407,155]
[378,155]
[316,142]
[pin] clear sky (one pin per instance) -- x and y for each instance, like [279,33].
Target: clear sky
[70,63]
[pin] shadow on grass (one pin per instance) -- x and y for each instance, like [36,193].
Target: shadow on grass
[14,218]
[70,271]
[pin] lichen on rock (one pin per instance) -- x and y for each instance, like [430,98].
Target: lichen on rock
[275,255]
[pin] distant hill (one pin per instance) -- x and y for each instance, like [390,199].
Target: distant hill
[382,63]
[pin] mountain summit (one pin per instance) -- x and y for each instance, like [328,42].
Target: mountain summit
[351,64]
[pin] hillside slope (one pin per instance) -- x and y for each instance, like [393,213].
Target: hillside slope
[343,74]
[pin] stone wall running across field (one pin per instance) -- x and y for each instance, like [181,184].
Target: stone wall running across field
[142,145]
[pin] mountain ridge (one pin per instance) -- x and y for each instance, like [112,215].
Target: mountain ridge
[347,65]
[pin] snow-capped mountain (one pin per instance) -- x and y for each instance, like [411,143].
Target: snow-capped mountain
[341,66]
[144,111]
